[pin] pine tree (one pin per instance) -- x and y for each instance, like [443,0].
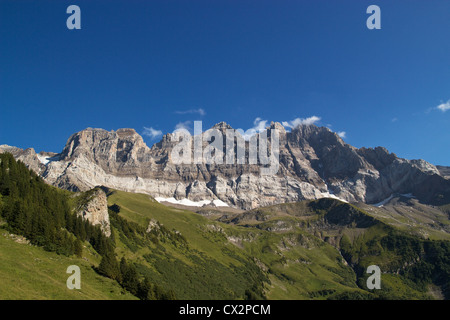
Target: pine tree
[88,230]
[146,291]
[78,248]
[109,267]
[123,266]
[130,279]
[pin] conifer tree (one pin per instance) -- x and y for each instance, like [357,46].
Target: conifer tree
[78,248]
[109,267]
[130,279]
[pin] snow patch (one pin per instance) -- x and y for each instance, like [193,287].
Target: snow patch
[382,203]
[190,203]
[331,195]
[220,203]
[43,159]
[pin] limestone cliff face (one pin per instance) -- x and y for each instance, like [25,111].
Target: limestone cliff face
[314,163]
[27,156]
[95,210]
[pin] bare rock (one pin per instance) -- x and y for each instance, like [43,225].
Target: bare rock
[314,163]
[95,210]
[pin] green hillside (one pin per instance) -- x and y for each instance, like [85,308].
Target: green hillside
[413,267]
[31,273]
[235,259]
[306,250]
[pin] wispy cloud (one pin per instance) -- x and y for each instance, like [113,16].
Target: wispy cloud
[394,120]
[444,107]
[152,133]
[199,111]
[300,121]
[259,125]
[342,134]
[185,125]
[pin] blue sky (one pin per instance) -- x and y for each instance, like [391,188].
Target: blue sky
[161,63]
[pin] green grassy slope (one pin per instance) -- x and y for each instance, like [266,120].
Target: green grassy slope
[306,250]
[411,264]
[31,273]
[203,266]
[219,257]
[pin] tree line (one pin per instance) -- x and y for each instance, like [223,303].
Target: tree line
[44,215]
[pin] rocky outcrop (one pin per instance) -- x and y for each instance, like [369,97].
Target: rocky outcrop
[314,162]
[95,209]
[444,171]
[27,156]
[153,225]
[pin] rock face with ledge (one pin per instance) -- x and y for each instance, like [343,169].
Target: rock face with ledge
[314,163]
[95,210]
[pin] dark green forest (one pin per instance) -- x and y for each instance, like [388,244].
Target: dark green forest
[419,262]
[43,215]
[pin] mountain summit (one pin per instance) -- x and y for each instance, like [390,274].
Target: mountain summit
[314,162]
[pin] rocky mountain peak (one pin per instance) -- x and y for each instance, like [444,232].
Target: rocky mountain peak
[379,157]
[221,126]
[278,126]
[102,144]
[314,162]
[126,133]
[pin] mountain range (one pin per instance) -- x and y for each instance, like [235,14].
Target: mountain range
[222,231]
[314,163]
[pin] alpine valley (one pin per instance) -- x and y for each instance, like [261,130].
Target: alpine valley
[140,226]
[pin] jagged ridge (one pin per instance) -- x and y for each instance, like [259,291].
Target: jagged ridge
[314,163]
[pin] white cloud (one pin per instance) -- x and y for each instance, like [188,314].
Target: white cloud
[152,133]
[444,106]
[394,120]
[341,134]
[299,121]
[259,125]
[186,125]
[200,111]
